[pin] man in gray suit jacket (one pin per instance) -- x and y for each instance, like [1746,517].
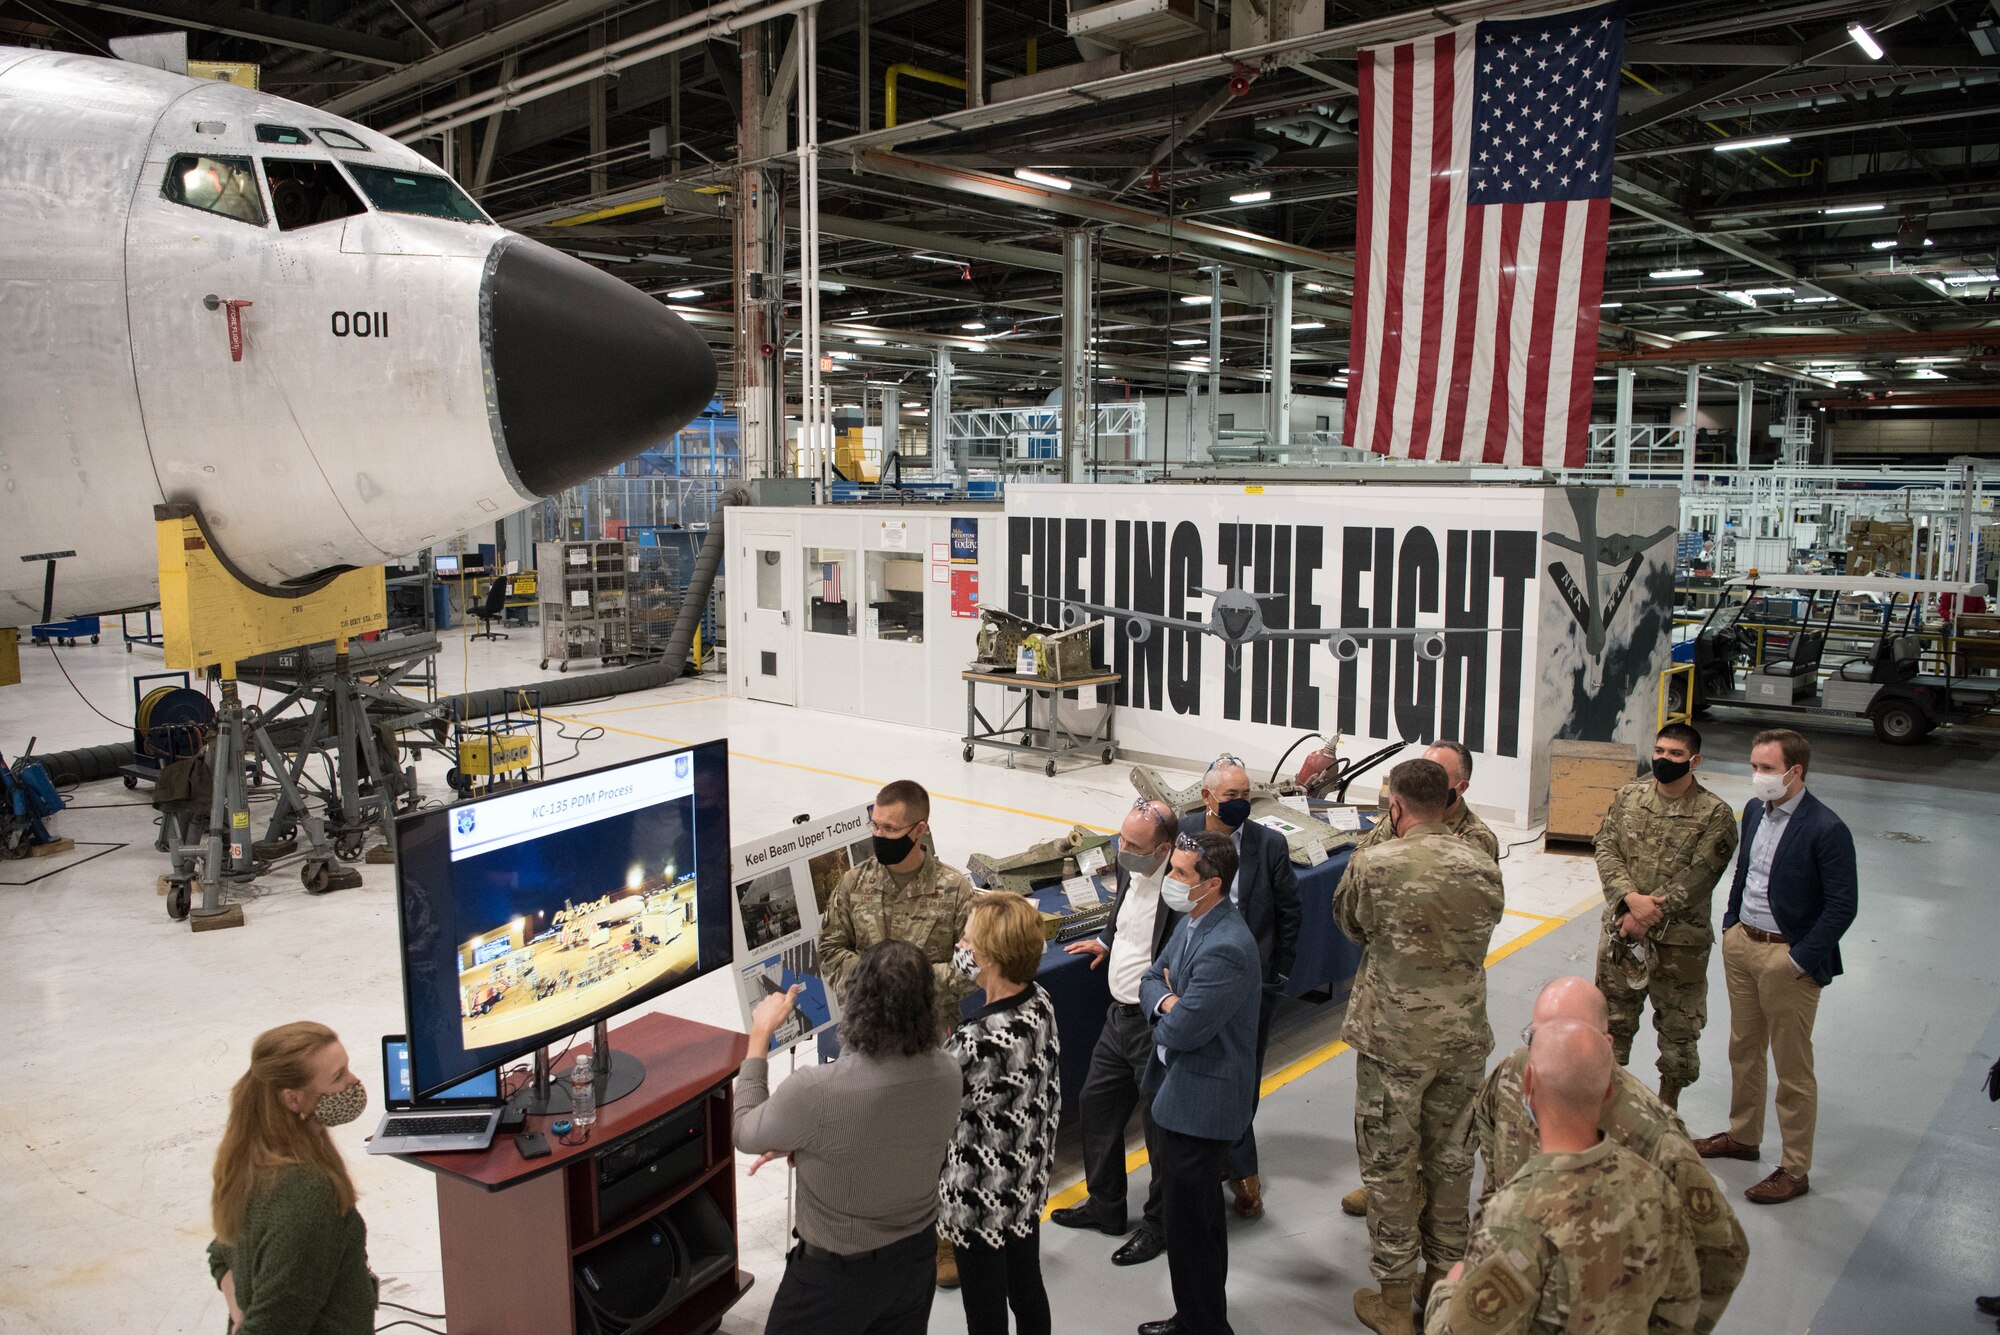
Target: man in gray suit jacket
[1202,993]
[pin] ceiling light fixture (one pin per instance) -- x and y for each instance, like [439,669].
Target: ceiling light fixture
[873,342]
[1676,272]
[1033,177]
[1768,141]
[1196,301]
[1609,305]
[1767,291]
[1250,197]
[973,324]
[686,294]
[1865,40]
[1308,324]
[1189,342]
[1927,374]
[1814,301]
[1924,361]
[844,356]
[1315,287]
[1888,244]
[601,255]
[1855,208]
[1966,279]
[1740,298]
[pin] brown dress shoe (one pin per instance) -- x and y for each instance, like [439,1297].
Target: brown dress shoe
[1720,1146]
[1249,1193]
[1778,1188]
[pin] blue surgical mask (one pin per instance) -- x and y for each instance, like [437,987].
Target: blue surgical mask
[1177,895]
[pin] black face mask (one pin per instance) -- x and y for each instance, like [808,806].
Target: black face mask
[1670,771]
[891,852]
[1233,812]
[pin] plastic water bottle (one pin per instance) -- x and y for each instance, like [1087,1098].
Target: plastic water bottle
[583,1093]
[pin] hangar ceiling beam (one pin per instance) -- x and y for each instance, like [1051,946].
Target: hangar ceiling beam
[486,46]
[274,29]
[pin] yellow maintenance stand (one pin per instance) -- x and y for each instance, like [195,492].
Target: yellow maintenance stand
[214,617]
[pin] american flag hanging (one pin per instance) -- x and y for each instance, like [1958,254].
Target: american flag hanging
[1479,259]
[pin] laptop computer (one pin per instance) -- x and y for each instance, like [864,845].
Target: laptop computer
[463,1117]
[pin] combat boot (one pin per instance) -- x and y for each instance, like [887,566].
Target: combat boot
[1355,1202]
[1387,1311]
[1670,1093]
[947,1265]
[1432,1274]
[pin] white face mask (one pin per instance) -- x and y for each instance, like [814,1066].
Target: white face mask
[1177,895]
[1768,788]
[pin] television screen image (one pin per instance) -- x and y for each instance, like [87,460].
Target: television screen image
[531,914]
[770,907]
[799,965]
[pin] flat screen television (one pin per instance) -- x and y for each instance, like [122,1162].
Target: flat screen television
[530,914]
[444,565]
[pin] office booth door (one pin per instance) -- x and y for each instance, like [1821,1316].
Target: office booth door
[770,618]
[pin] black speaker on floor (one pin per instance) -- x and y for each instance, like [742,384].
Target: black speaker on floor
[631,1281]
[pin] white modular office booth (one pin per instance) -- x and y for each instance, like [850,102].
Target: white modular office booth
[856,611]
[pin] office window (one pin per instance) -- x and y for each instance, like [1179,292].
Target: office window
[1322,424]
[1225,421]
[770,579]
[831,601]
[896,596]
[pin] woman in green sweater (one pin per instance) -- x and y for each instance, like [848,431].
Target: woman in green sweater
[290,1252]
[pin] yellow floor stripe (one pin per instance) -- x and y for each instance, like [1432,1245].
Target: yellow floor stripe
[1076,1192]
[1523,913]
[579,720]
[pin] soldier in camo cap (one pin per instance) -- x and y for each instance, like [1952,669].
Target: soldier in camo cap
[1586,1236]
[1425,904]
[1498,1125]
[1664,844]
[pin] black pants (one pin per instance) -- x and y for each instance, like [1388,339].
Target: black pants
[887,1293]
[1110,1093]
[1197,1232]
[1243,1154]
[993,1279]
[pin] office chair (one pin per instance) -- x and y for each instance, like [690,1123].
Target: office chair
[492,608]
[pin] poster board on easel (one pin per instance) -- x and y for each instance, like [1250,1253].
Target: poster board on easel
[779,888]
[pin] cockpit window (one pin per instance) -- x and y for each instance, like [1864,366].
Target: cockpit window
[281,134]
[304,193]
[340,139]
[397,190]
[223,185]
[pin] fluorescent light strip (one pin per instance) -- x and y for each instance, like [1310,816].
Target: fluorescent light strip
[1674,273]
[686,294]
[1768,141]
[1196,301]
[1033,177]
[1854,208]
[1814,301]
[1865,40]
[1889,244]
[1250,197]
[1308,324]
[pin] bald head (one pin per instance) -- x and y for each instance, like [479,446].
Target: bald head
[1571,1064]
[1572,999]
[1145,827]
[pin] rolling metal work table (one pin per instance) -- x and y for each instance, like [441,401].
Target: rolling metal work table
[1018,731]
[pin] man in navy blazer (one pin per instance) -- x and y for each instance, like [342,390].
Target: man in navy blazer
[1794,895]
[1266,892]
[1202,993]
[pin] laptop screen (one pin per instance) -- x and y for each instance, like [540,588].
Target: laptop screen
[483,1088]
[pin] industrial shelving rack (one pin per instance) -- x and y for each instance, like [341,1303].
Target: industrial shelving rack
[586,609]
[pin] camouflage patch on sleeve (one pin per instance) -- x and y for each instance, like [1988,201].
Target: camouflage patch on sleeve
[1702,1206]
[1493,1293]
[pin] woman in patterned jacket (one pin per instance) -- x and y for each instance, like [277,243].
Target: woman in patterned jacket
[996,1173]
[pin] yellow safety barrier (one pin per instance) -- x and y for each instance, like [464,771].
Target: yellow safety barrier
[1685,714]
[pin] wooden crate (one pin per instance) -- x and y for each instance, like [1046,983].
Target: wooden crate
[1583,778]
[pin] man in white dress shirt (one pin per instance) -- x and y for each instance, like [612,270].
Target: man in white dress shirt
[1140,924]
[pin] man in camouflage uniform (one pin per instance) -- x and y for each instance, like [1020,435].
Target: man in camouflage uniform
[1425,904]
[901,893]
[1497,1124]
[1586,1236]
[1458,818]
[1664,844]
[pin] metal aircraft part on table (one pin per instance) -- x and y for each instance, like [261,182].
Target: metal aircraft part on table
[1050,860]
[1305,835]
[218,297]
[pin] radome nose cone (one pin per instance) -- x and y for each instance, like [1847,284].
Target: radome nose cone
[587,371]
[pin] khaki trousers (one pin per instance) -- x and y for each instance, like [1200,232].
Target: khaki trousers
[1771,1006]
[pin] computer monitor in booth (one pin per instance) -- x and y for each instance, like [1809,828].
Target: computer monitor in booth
[530,914]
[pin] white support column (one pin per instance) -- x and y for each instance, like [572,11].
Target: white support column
[941,372]
[1281,359]
[1077,307]
[1745,401]
[815,416]
[1621,437]
[1687,432]
[892,421]
[1214,358]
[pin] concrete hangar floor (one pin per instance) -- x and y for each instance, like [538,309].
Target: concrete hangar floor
[128,1031]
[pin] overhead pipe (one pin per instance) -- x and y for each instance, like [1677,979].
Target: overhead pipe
[902,68]
[92,763]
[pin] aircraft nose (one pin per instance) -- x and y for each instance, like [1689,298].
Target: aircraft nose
[586,371]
